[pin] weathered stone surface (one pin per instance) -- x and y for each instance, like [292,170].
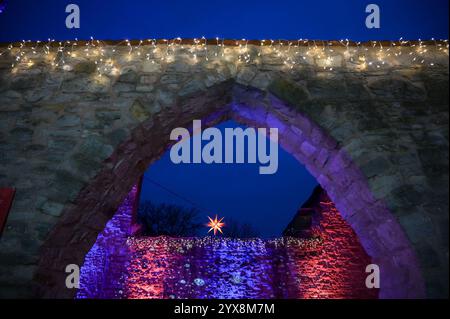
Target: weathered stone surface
[118,136]
[52,208]
[69,120]
[335,61]
[124,87]
[261,81]
[22,134]
[92,84]
[307,149]
[87,67]
[69,185]
[246,75]
[91,153]
[319,218]
[377,166]
[321,88]
[107,115]
[165,97]
[144,88]
[62,133]
[289,91]
[60,145]
[193,86]
[129,76]
[396,89]
[150,67]
[138,111]
[179,67]
[356,89]
[10,101]
[26,82]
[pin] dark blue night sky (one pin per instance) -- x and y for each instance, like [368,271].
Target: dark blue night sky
[235,191]
[230,190]
[250,19]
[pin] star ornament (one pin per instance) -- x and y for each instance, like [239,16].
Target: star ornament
[215,225]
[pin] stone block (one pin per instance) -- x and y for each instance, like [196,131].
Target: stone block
[151,67]
[193,86]
[66,185]
[68,120]
[323,88]
[128,76]
[94,149]
[288,91]
[376,166]
[138,111]
[396,88]
[307,149]
[85,83]
[120,87]
[21,134]
[166,97]
[87,67]
[118,136]
[107,116]
[25,82]
[428,257]
[52,208]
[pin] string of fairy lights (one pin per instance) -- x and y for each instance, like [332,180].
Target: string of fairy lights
[183,244]
[373,54]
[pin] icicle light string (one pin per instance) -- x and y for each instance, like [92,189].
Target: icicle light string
[104,53]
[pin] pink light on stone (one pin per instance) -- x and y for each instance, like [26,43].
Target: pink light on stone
[103,272]
[337,269]
[150,268]
[329,265]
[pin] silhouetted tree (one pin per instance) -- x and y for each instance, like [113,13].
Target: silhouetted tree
[234,229]
[166,219]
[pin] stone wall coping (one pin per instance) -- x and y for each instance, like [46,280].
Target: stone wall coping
[234,42]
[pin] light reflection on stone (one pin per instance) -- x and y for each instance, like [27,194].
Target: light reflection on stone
[103,272]
[209,267]
[330,264]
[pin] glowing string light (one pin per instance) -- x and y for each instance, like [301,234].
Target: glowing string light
[25,54]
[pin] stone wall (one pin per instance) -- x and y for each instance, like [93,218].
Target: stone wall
[103,272]
[73,142]
[327,262]
[340,255]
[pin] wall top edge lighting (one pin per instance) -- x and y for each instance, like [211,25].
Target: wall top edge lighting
[326,55]
[233,42]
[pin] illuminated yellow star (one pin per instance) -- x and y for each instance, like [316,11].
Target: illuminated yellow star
[215,225]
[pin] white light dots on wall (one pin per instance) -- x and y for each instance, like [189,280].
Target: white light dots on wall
[327,55]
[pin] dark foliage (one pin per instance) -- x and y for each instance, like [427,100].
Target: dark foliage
[170,220]
[234,229]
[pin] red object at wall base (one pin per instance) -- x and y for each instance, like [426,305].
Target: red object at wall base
[6,199]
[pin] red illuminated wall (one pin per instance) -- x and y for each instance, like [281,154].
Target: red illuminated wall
[6,198]
[336,268]
[329,262]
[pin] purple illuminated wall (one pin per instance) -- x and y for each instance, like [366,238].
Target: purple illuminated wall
[330,264]
[103,272]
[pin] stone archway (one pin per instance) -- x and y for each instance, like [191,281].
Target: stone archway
[380,234]
[73,142]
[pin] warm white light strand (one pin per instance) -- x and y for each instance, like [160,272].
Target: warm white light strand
[25,53]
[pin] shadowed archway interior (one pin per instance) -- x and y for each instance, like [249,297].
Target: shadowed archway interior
[380,234]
